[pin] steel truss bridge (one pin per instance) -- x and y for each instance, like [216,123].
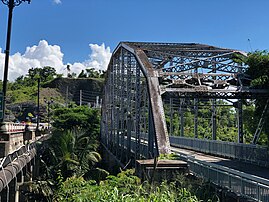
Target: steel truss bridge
[150,85]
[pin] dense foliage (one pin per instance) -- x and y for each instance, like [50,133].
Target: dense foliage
[225,117]
[259,68]
[123,187]
[70,153]
[258,62]
[68,168]
[79,118]
[91,73]
[45,74]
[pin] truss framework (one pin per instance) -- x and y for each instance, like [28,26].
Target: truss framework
[141,75]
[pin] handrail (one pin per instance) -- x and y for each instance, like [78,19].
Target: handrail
[254,154]
[10,127]
[9,171]
[233,177]
[12,156]
[233,171]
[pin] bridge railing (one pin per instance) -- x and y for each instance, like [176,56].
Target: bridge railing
[15,154]
[238,182]
[244,152]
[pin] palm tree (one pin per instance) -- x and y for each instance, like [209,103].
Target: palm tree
[67,153]
[73,152]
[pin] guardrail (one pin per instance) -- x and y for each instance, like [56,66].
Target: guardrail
[14,162]
[254,154]
[10,127]
[14,155]
[246,185]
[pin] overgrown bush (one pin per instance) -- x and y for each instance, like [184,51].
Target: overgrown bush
[123,187]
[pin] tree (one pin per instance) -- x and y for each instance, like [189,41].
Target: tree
[258,69]
[78,118]
[258,63]
[82,74]
[71,153]
[46,73]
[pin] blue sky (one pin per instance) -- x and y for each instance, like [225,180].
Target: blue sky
[74,24]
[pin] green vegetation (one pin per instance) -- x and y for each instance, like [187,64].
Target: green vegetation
[71,153]
[226,122]
[259,68]
[92,73]
[73,146]
[77,118]
[24,88]
[123,187]
[258,62]
[69,172]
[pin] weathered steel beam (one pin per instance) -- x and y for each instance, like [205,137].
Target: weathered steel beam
[156,104]
[204,89]
[201,75]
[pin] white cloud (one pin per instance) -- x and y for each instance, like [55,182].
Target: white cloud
[45,54]
[57,1]
[99,58]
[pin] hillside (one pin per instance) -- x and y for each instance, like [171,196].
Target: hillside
[23,101]
[71,88]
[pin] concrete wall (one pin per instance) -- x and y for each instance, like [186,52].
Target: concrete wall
[15,135]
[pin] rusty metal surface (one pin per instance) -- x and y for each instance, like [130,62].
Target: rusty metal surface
[156,105]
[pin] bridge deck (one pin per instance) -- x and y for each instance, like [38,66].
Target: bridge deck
[247,168]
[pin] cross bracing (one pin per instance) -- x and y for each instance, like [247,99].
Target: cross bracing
[144,78]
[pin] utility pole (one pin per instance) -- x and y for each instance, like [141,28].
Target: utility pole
[66,96]
[80,97]
[49,102]
[38,104]
[11,4]
[97,101]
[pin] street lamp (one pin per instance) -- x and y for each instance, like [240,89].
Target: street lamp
[49,102]
[11,4]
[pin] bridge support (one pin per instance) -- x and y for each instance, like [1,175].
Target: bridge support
[240,121]
[171,117]
[151,138]
[11,193]
[156,104]
[195,117]
[214,120]
[182,111]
